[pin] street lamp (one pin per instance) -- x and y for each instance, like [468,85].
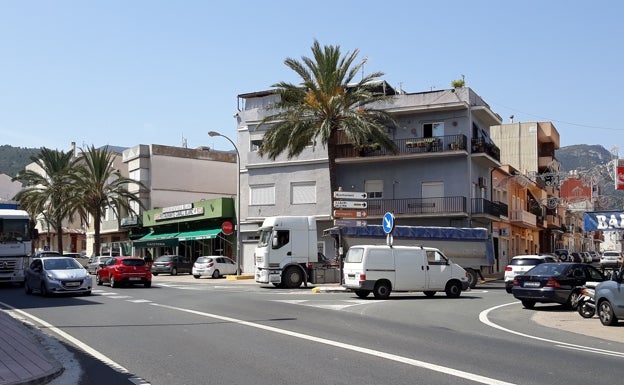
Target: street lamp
[238,199]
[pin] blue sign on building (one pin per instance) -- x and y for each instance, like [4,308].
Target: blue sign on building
[388,223]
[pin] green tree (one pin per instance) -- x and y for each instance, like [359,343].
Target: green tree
[326,102]
[99,185]
[48,191]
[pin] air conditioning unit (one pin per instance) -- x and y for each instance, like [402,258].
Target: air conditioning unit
[483,183]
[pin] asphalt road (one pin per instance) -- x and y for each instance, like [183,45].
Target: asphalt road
[185,331]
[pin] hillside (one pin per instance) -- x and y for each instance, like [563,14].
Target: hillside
[14,159]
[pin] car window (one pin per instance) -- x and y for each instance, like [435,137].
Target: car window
[132,262]
[228,260]
[525,261]
[594,274]
[36,264]
[60,264]
[110,261]
[164,258]
[547,269]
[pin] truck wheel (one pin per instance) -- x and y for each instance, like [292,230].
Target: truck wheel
[473,278]
[453,289]
[429,293]
[382,290]
[292,277]
[362,293]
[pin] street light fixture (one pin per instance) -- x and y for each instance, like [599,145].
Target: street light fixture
[238,199]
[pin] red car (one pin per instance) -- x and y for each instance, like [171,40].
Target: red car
[124,270]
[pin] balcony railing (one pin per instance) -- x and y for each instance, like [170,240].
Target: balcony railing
[484,206]
[479,145]
[523,218]
[418,206]
[434,144]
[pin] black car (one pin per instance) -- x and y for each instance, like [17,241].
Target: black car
[554,283]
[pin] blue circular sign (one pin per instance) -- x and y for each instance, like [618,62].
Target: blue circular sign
[388,223]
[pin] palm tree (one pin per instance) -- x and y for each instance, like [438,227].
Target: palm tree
[47,190]
[325,103]
[99,185]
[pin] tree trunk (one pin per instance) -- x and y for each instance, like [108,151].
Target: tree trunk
[59,237]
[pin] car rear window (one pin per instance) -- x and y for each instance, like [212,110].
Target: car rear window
[526,261]
[133,262]
[164,258]
[204,260]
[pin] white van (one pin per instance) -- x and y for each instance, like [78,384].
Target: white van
[381,269]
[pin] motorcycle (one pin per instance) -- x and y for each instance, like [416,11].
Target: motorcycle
[587,302]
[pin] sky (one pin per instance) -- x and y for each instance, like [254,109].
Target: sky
[123,73]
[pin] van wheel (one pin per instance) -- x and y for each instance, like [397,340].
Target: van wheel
[382,290]
[362,293]
[453,289]
[429,293]
[292,277]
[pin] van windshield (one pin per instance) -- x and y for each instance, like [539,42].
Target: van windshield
[354,255]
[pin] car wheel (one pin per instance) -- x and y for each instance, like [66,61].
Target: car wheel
[154,274]
[528,304]
[453,289]
[87,293]
[196,276]
[27,288]
[605,313]
[362,293]
[43,290]
[112,281]
[216,274]
[382,290]
[174,271]
[148,284]
[429,293]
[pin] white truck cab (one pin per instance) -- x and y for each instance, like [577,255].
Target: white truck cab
[381,269]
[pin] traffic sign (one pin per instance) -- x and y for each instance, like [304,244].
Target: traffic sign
[350,214]
[227,227]
[350,195]
[349,205]
[388,223]
[350,222]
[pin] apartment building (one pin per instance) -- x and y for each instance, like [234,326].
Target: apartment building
[440,177]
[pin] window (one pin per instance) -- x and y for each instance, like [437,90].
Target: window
[374,189]
[254,144]
[433,129]
[262,195]
[303,192]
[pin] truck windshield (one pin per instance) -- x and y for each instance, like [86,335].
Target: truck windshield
[265,238]
[15,230]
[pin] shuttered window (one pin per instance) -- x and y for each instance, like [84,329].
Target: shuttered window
[303,193]
[261,195]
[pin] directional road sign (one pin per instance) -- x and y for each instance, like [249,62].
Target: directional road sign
[350,195]
[350,223]
[349,204]
[350,214]
[388,223]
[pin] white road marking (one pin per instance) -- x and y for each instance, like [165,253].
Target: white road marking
[327,305]
[341,345]
[483,317]
[139,300]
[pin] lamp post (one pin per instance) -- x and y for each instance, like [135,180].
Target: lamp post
[238,199]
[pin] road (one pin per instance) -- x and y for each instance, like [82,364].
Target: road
[184,331]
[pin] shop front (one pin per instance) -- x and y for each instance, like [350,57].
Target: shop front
[188,230]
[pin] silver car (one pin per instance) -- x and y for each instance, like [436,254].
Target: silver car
[213,266]
[57,275]
[610,299]
[95,262]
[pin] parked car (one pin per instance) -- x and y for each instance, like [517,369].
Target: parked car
[576,257]
[587,258]
[171,264]
[610,299]
[595,256]
[563,255]
[611,259]
[95,262]
[83,260]
[57,275]
[521,264]
[213,266]
[554,283]
[124,270]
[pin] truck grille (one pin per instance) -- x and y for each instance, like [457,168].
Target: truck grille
[7,266]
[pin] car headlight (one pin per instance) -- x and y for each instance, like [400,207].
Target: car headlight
[51,277]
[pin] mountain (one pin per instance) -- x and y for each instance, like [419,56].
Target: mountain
[582,157]
[14,159]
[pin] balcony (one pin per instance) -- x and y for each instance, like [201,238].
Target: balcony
[523,218]
[417,145]
[480,146]
[484,207]
[423,207]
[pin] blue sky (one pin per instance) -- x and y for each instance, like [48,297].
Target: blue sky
[123,72]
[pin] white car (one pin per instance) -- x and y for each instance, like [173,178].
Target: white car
[214,266]
[610,259]
[520,264]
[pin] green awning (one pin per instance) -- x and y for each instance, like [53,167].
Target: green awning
[157,240]
[198,234]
